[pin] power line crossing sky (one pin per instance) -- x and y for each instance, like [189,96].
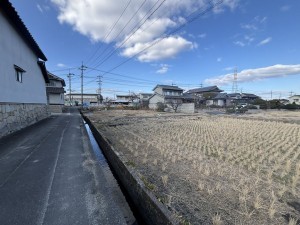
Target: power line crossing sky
[136,44]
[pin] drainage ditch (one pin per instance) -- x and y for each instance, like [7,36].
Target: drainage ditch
[111,176]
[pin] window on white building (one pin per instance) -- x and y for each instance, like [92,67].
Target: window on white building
[19,73]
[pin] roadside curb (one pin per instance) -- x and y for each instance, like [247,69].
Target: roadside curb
[151,210]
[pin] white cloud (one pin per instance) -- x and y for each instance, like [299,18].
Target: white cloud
[239,43]
[165,48]
[249,26]
[42,8]
[246,41]
[95,18]
[260,19]
[249,39]
[265,41]
[250,31]
[202,35]
[39,8]
[256,74]
[164,68]
[285,8]
[61,65]
[231,68]
[219,59]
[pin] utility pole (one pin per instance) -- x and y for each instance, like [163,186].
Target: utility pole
[82,68]
[99,88]
[234,83]
[70,86]
[271,94]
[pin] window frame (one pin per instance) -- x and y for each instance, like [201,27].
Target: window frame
[19,73]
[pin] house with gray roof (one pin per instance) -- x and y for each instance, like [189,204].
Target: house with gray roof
[165,94]
[209,89]
[224,99]
[203,94]
[173,97]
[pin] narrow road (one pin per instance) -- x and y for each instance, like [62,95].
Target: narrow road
[48,175]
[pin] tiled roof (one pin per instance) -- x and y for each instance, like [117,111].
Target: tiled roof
[188,96]
[168,87]
[249,95]
[12,15]
[205,89]
[221,96]
[54,77]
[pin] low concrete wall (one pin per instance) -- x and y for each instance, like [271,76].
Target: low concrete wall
[152,211]
[186,108]
[14,116]
[56,108]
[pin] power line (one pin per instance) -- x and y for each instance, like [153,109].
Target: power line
[115,38]
[111,53]
[112,27]
[59,70]
[170,33]
[122,75]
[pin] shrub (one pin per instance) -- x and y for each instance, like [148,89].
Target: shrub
[160,107]
[251,107]
[291,106]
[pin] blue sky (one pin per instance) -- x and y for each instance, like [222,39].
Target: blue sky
[258,38]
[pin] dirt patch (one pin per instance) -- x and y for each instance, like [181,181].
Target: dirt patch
[211,168]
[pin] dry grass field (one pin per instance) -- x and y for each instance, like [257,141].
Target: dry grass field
[213,169]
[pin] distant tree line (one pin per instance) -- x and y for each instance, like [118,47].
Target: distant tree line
[275,104]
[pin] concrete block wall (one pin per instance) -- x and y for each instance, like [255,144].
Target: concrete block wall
[186,108]
[14,116]
[56,108]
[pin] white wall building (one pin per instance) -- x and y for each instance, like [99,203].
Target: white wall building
[295,98]
[165,94]
[23,99]
[55,93]
[88,99]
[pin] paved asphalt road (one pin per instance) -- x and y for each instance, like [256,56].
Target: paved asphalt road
[48,175]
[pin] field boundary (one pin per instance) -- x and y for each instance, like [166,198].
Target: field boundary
[150,209]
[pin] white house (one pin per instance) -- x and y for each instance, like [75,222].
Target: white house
[23,98]
[55,93]
[295,98]
[144,99]
[165,94]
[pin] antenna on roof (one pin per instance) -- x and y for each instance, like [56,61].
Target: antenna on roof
[234,84]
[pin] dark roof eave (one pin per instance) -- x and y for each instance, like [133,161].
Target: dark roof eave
[167,87]
[54,77]
[205,89]
[17,22]
[44,70]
